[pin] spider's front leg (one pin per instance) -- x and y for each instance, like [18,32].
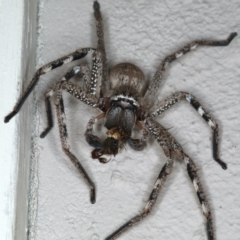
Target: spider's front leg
[158,76]
[71,73]
[80,53]
[85,97]
[176,97]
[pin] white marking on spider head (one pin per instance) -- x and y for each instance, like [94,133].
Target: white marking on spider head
[126,98]
[200,110]
[178,55]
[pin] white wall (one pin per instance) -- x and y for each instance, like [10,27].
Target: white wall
[11,30]
[17,64]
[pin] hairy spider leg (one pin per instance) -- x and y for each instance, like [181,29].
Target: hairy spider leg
[82,95]
[166,141]
[80,53]
[158,76]
[192,172]
[176,97]
[99,70]
[166,170]
[171,149]
[71,73]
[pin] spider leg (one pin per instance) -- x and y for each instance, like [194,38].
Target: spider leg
[171,149]
[192,172]
[80,53]
[93,140]
[71,73]
[82,95]
[169,145]
[167,141]
[139,144]
[99,69]
[176,97]
[166,170]
[158,76]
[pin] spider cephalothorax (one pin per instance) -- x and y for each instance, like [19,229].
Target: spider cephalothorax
[124,100]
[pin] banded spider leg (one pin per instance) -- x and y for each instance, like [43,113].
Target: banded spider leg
[171,149]
[176,97]
[80,53]
[83,96]
[158,76]
[84,69]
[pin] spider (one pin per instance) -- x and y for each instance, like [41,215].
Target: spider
[124,101]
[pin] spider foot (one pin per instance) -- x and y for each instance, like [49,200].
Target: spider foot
[96,6]
[220,162]
[231,37]
[45,132]
[93,194]
[10,116]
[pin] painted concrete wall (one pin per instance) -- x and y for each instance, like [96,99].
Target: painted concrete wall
[143,32]
[11,31]
[17,64]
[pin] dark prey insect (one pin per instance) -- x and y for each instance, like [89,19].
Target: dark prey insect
[123,99]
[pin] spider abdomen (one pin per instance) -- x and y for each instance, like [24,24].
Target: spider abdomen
[127,74]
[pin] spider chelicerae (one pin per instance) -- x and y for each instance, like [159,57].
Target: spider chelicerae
[124,101]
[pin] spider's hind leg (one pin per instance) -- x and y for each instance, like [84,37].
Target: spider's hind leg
[178,96]
[165,171]
[192,172]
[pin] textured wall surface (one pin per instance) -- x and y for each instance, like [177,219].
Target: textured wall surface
[143,33]
[11,32]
